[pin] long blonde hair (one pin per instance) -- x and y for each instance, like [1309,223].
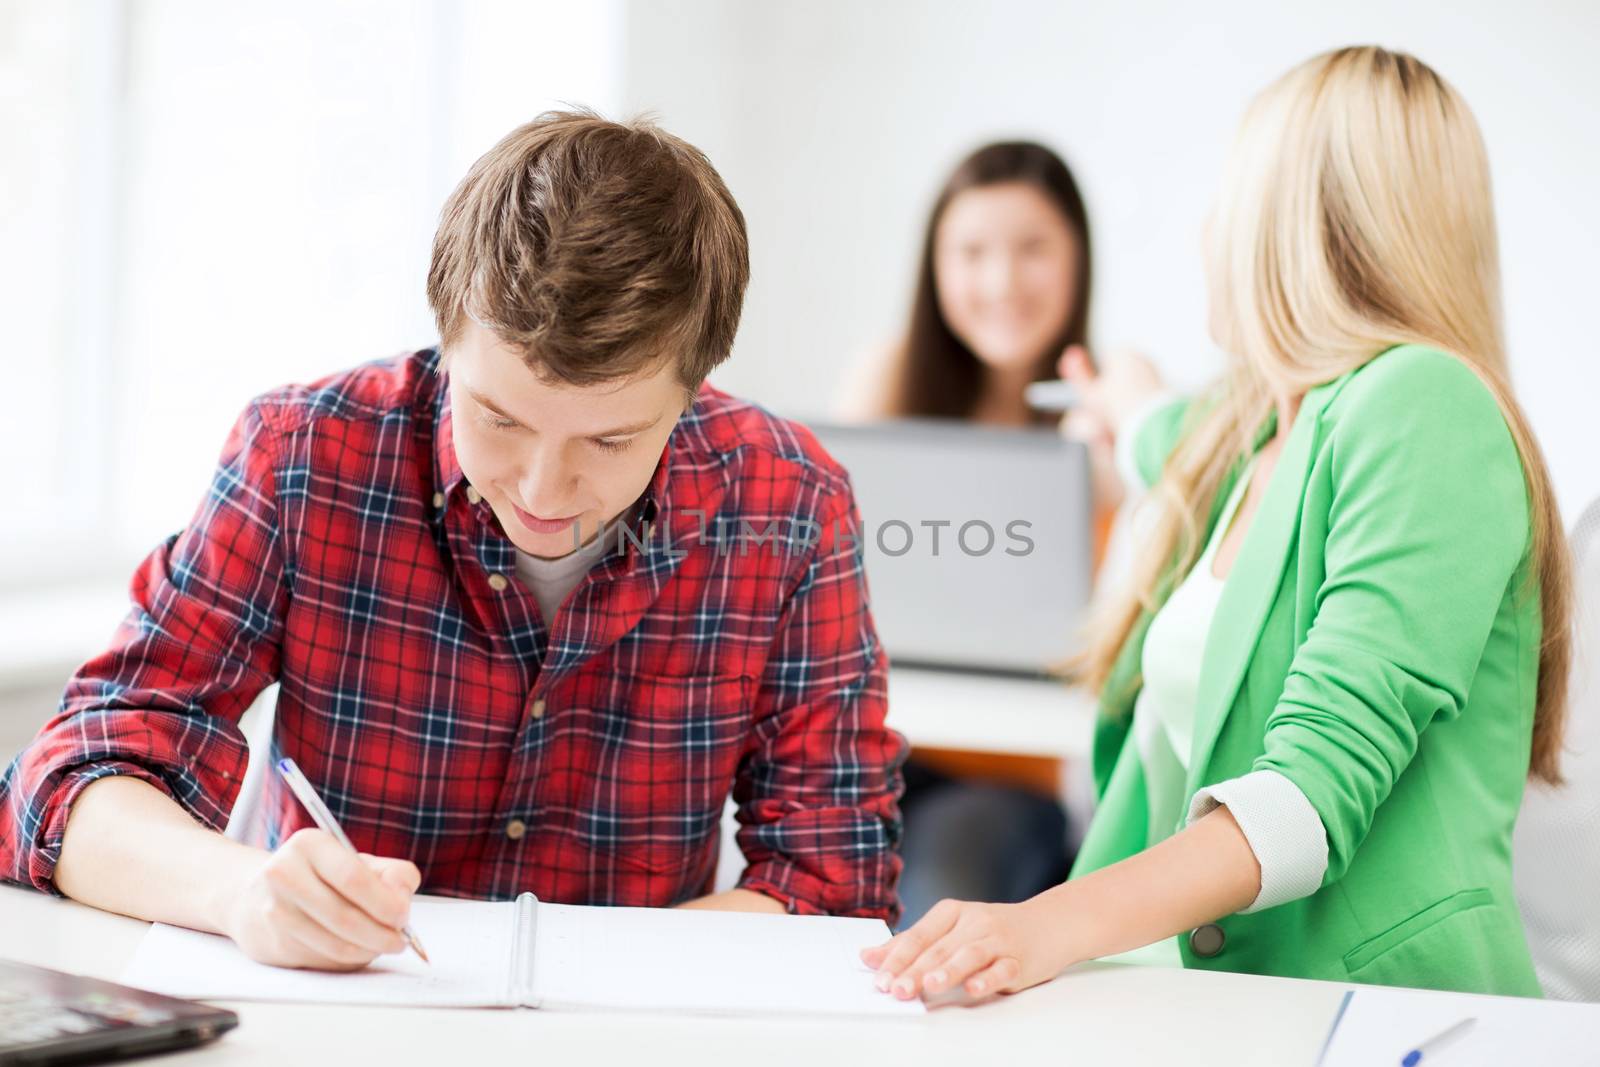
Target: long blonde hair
[1354,214]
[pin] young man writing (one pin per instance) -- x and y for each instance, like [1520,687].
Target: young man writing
[486,706]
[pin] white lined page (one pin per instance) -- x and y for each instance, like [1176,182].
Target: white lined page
[713,962]
[469,943]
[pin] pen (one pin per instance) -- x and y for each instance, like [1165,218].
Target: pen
[301,787]
[1436,1042]
[1051,396]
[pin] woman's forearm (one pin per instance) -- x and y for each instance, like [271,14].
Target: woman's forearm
[1204,871]
[1199,874]
[132,849]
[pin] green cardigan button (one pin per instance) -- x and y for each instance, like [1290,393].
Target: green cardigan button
[1207,941]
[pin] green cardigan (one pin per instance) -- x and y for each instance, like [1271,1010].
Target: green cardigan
[1377,643]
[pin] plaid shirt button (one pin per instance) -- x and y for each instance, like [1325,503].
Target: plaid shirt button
[515,829]
[536,709]
[498,582]
[473,495]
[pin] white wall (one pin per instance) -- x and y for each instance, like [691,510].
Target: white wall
[834,123]
[286,168]
[213,199]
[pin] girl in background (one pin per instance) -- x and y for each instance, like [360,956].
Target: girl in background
[1002,290]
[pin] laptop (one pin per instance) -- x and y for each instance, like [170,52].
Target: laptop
[979,542]
[47,1017]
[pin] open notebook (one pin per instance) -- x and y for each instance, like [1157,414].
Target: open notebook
[526,953]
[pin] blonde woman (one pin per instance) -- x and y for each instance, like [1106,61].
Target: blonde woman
[1346,645]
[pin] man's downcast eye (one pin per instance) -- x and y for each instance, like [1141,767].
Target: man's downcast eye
[604,444]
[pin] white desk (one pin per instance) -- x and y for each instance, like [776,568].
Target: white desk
[990,713]
[1091,1015]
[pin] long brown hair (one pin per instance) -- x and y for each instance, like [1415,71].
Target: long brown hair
[1355,213]
[937,374]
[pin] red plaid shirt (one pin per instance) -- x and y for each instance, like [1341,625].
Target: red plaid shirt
[341,554]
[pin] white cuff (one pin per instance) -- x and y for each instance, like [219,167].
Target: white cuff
[1283,829]
[1126,459]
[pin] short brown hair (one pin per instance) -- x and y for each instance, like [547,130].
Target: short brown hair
[597,248]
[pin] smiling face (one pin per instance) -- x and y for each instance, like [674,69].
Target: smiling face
[1005,267]
[548,456]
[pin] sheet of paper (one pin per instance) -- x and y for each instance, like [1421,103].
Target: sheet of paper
[1381,1025]
[711,962]
[469,943]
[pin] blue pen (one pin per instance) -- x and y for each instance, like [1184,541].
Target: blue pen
[301,787]
[1435,1043]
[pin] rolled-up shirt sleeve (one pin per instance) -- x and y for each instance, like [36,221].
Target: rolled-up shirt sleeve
[1282,828]
[162,702]
[818,798]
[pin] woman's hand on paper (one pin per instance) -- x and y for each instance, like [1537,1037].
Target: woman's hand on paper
[984,948]
[314,904]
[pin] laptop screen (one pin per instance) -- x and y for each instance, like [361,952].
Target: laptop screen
[978,541]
